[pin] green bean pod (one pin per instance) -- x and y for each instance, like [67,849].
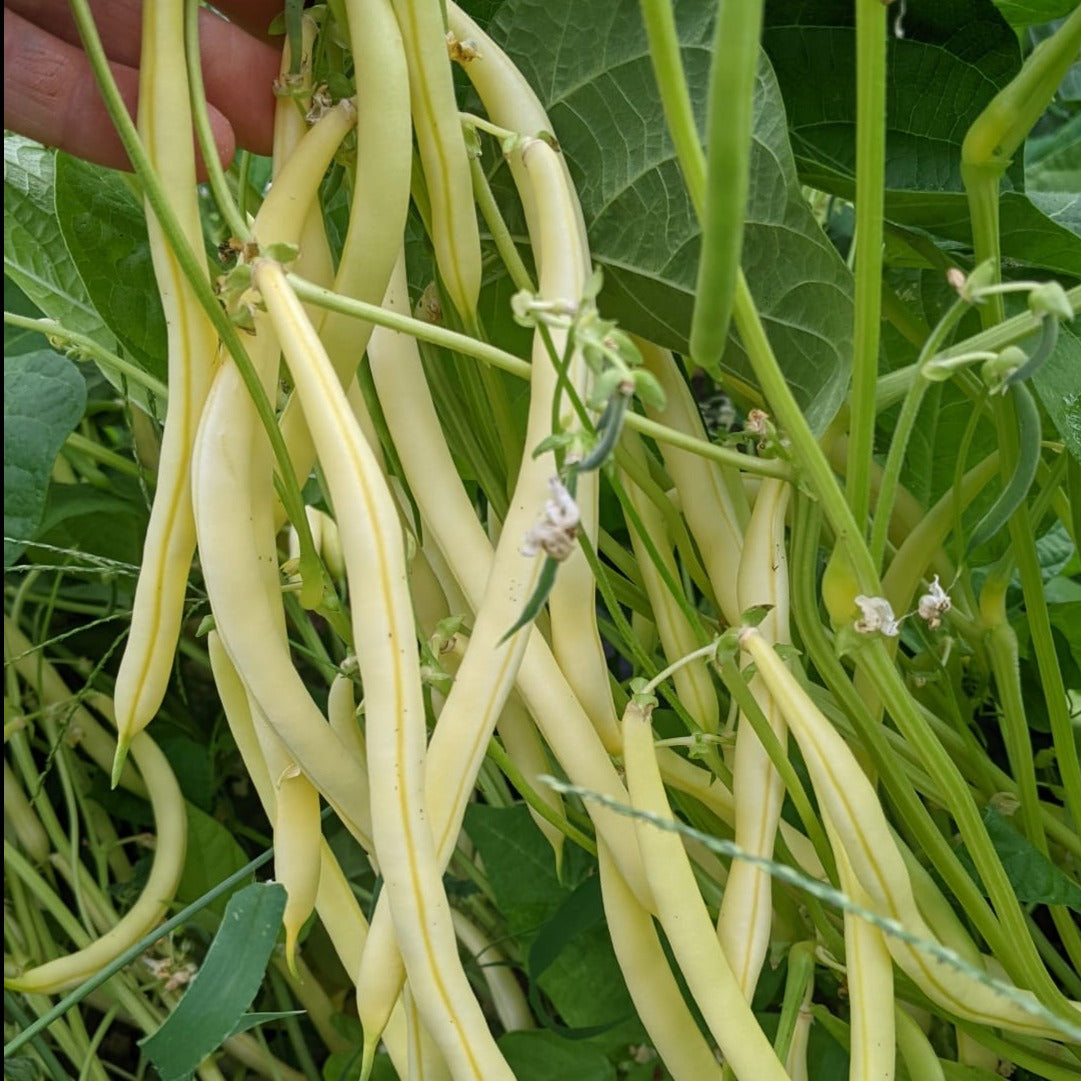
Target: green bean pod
[1029,435]
[729,119]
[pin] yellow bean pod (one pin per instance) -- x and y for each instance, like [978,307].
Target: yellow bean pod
[654,991]
[158,608]
[374,551]
[746,908]
[443,154]
[684,918]
[858,821]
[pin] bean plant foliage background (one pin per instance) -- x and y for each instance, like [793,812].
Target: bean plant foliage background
[78,486]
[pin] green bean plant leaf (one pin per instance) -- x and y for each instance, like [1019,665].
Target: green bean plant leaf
[44,399]
[1021,14]
[1035,879]
[543,1056]
[590,65]
[35,256]
[965,49]
[104,228]
[225,985]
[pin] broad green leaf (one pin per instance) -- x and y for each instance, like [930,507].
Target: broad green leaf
[590,65]
[83,518]
[213,855]
[1035,879]
[35,256]
[1053,162]
[225,985]
[573,962]
[104,227]
[543,1056]
[1021,14]
[44,399]
[952,59]
[1058,385]
[520,866]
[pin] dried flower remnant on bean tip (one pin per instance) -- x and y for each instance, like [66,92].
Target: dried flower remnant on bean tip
[461,51]
[877,617]
[934,604]
[555,533]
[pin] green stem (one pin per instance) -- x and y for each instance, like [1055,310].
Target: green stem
[906,422]
[85,347]
[1023,960]
[805,448]
[871,39]
[660,23]
[997,133]
[218,185]
[891,388]
[497,227]
[521,783]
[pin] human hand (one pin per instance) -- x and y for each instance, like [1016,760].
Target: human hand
[50,94]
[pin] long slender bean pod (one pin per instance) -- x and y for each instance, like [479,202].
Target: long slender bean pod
[714,516]
[653,988]
[455,233]
[373,547]
[157,611]
[869,972]
[730,114]
[379,202]
[232,497]
[1024,472]
[693,683]
[171,824]
[314,260]
[857,817]
[508,1000]
[335,902]
[745,915]
[684,917]
[555,223]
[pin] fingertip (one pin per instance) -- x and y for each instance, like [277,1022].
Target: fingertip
[224,140]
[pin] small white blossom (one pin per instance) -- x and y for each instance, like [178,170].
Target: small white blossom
[934,604]
[555,533]
[877,616]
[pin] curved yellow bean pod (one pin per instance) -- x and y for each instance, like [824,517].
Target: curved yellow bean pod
[746,910]
[171,825]
[683,915]
[653,988]
[335,902]
[158,608]
[374,551]
[378,208]
[856,818]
